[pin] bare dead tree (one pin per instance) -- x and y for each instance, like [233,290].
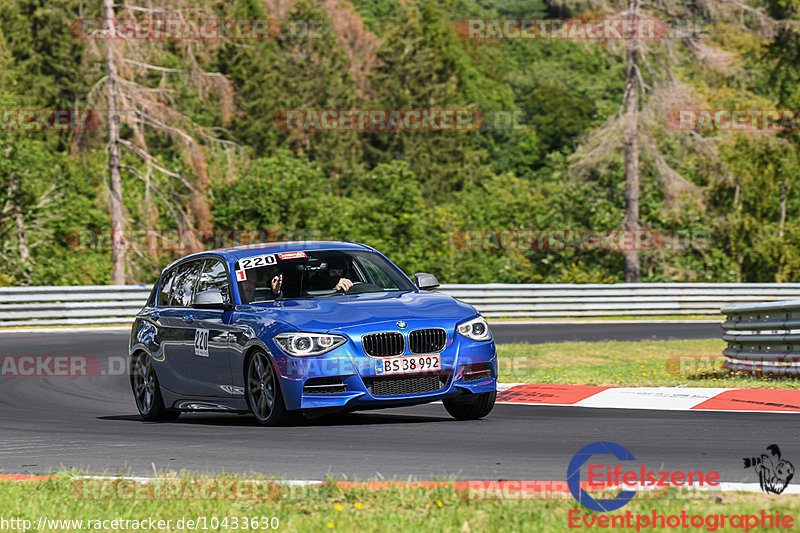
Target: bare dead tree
[630,130]
[115,179]
[644,107]
[142,108]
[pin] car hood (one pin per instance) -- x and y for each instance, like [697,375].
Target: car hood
[350,310]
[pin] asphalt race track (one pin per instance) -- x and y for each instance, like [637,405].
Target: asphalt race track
[90,423]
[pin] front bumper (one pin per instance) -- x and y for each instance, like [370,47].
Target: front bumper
[346,379]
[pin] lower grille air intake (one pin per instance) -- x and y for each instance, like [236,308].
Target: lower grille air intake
[401,386]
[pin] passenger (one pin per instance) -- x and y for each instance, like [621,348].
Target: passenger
[249,286]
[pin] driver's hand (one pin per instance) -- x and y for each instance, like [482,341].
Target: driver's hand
[277,281]
[343,285]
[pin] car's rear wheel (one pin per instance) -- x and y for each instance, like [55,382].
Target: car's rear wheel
[146,390]
[478,406]
[264,391]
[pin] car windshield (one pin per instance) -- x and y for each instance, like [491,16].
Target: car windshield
[268,277]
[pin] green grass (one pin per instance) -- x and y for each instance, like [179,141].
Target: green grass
[331,508]
[629,364]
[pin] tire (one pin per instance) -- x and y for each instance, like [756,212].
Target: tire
[147,391]
[476,407]
[263,391]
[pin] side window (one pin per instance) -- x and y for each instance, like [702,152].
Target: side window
[214,276]
[151,300]
[166,287]
[377,276]
[183,285]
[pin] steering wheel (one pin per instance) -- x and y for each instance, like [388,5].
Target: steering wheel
[354,284]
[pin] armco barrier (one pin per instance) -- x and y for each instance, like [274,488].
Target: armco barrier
[498,300]
[100,304]
[763,337]
[109,304]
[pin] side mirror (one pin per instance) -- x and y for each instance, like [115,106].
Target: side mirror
[425,281]
[210,299]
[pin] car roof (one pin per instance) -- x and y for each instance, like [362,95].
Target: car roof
[235,253]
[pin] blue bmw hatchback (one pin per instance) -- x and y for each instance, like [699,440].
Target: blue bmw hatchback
[306,327]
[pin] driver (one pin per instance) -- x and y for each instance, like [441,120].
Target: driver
[333,278]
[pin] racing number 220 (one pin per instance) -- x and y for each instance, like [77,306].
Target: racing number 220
[257,261]
[201,342]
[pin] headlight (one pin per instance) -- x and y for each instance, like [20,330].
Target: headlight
[301,344]
[476,329]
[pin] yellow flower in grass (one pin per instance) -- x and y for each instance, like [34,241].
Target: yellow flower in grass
[439,503]
[330,525]
[357,505]
[338,507]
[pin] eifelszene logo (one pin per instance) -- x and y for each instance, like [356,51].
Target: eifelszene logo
[574,476]
[774,473]
[605,477]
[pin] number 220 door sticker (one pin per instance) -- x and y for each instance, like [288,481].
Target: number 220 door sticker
[201,342]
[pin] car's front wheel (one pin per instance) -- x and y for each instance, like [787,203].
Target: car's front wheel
[478,406]
[264,392]
[146,390]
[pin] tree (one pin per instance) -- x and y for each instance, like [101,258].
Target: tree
[142,107]
[630,129]
[653,88]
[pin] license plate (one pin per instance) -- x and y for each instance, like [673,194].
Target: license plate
[407,364]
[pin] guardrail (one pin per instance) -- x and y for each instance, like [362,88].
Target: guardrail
[763,337]
[620,299]
[114,304]
[100,304]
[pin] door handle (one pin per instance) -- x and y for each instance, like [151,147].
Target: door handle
[187,318]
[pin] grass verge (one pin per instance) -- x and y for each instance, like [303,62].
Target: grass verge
[331,507]
[677,363]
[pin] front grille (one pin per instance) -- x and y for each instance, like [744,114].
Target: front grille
[427,340]
[399,386]
[383,344]
[326,385]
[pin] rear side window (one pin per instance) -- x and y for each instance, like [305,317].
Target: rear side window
[183,284]
[166,287]
[215,277]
